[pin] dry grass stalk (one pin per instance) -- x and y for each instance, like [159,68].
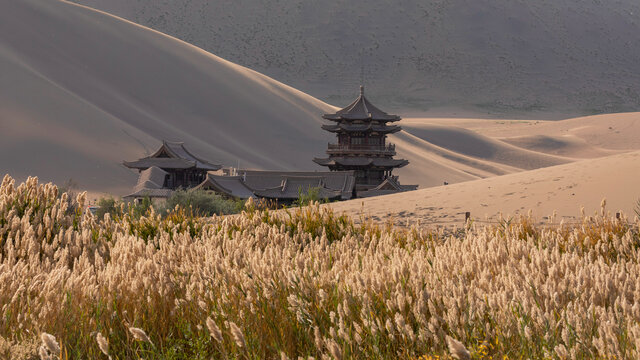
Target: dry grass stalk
[308,282]
[49,341]
[457,350]
[237,335]
[103,344]
[214,330]
[140,335]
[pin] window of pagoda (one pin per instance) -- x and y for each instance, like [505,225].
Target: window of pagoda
[357,140]
[374,140]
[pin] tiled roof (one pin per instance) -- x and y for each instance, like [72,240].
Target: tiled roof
[362,128]
[164,163]
[361,109]
[282,184]
[229,185]
[150,183]
[151,193]
[172,155]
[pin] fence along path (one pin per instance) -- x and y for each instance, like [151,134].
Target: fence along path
[467,217]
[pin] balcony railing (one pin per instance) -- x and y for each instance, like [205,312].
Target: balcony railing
[369,149]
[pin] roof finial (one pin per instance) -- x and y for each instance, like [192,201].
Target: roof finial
[361,89]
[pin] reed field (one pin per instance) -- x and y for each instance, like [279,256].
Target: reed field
[308,283]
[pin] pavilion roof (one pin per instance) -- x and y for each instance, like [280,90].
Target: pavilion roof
[150,184]
[282,184]
[293,191]
[361,109]
[229,185]
[336,180]
[172,155]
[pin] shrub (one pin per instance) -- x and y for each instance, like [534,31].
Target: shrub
[107,205]
[310,196]
[202,203]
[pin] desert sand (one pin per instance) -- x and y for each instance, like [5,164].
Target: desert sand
[596,158]
[552,194]
[498,57]
[82,90]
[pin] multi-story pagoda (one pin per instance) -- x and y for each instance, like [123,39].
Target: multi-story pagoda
[362,131]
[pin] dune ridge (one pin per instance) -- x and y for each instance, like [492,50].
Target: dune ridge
[488,57]
[84,90]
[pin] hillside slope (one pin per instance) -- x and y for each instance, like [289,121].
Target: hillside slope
[81,90]
[492,57]
[562,189]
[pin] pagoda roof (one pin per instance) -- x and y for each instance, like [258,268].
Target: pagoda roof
[361,161]
[172,155]
[361,109]
[350,127]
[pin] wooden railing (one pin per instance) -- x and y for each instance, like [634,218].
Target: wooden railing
[388,149]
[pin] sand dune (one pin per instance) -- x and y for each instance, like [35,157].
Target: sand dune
[82,90]
[470,143]
[562,188]
[456,150]
[564,145]
[489,56]
[609,131]
[89,90]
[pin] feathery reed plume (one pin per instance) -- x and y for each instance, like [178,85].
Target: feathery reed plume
[457,350]
[243,262]
[238,337]
[103,344]
[561,351]
[334,349]
[43,353]
[214,330]
[140,335]
[50,342]
[318,338]
[250,204]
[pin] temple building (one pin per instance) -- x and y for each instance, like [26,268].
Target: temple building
[171,167]
[362,129]
[360,163]
[282,186]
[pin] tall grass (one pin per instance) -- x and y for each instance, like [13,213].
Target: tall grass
[308,283]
